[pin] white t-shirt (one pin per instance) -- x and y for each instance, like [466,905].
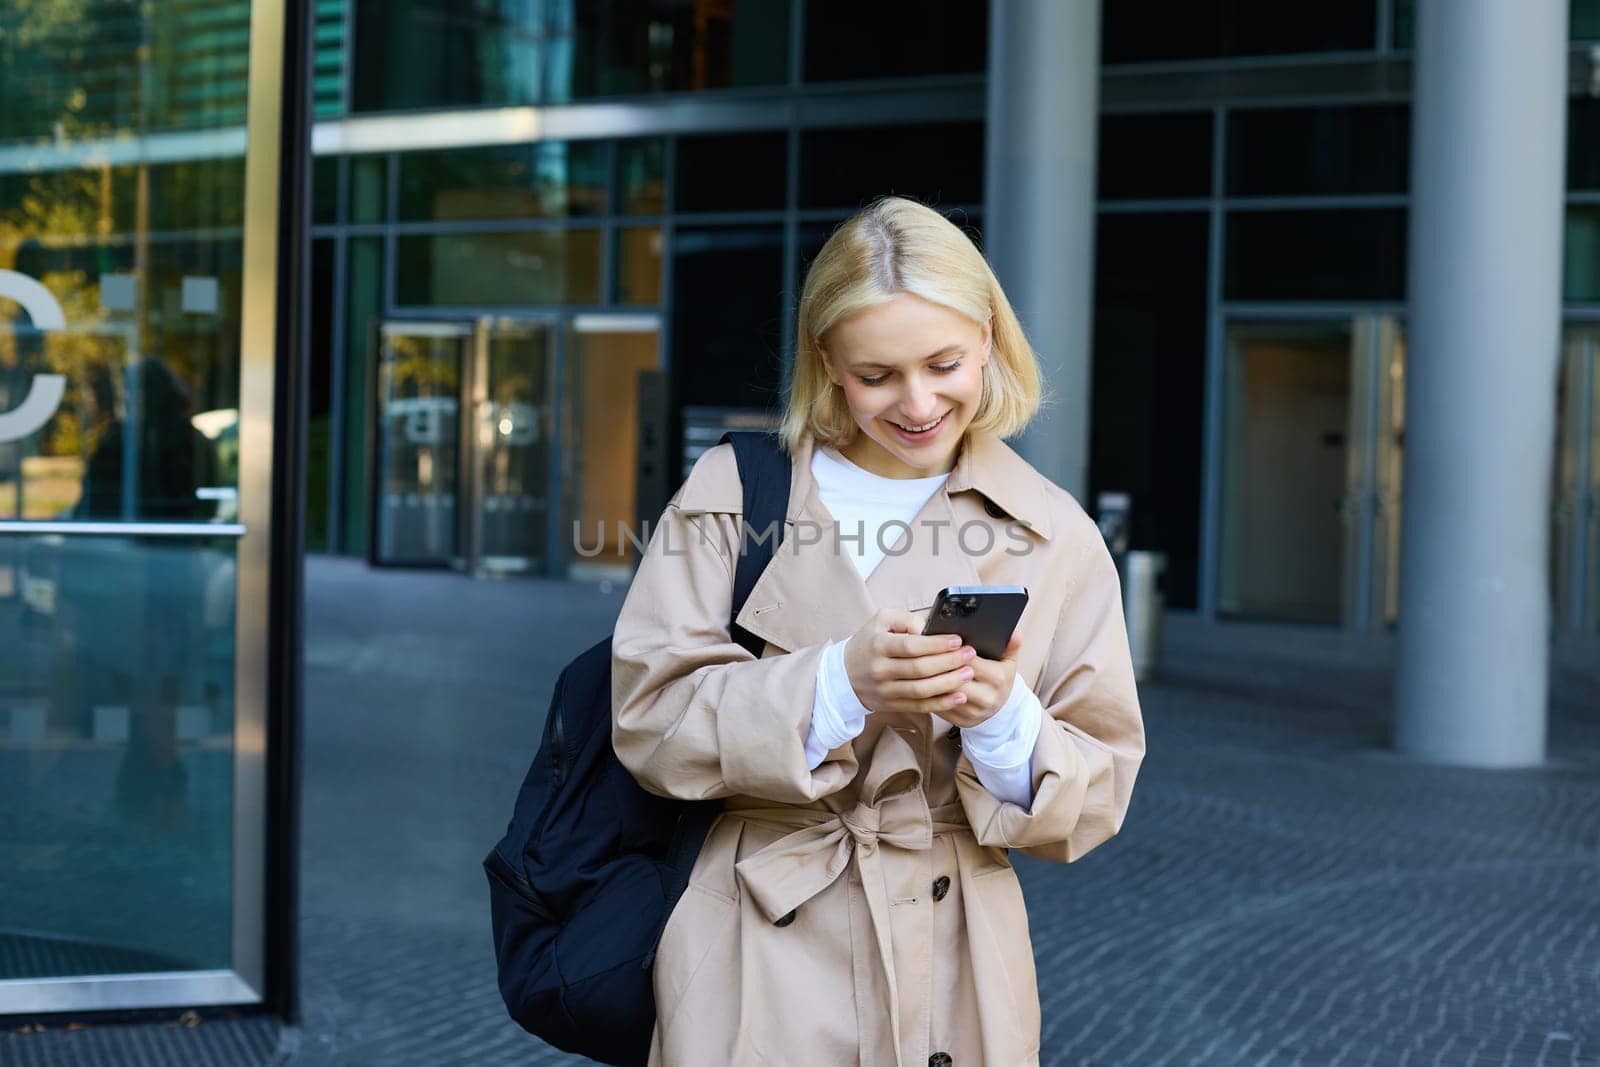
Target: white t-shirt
[1001,747]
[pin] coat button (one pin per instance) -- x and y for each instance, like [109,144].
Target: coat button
[940,1059]
[954,734]
[785,921]
[941,886]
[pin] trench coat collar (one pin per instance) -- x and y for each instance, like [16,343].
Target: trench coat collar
[811,592]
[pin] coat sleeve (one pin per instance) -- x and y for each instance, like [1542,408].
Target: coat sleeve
[1092,740]
[694,715]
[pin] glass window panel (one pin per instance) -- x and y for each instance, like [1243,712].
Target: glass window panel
[639,265]
[1584,25]
[117,652]
[1582,273]
[526,267]
[726,315]
[1583,143]
[369,188]
[363,302]
[641,177]
[1147,429]
[319,396]
[76,73]
[116,757]
[731,172]
[846,39]
[146,425]
[940,164]
[325,190]
[620,47]
[416,54]
[1155,156]
[1139,31]
[1316,255]
[550,179]
[1319,151]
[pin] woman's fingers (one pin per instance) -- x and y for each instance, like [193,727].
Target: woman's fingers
[919,689]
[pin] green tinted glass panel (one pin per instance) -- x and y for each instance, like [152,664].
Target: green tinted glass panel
[369,188]
[1582,273]
[528,267]
[1585,24]
[551,179]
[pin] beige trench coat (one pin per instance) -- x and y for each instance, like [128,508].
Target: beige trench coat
[874,966]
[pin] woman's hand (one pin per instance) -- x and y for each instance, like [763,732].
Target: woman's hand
[893,667]
[989,688]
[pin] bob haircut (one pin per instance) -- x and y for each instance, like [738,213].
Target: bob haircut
[894,246]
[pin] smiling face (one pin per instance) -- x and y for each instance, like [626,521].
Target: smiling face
[912,373]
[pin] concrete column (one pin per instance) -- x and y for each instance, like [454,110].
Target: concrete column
[1488,130]
[1038,221]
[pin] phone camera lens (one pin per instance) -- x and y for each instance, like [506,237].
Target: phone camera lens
[947,610]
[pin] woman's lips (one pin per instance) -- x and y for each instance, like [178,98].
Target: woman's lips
[921,437]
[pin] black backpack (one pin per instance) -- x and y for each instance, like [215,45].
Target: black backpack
[582,884]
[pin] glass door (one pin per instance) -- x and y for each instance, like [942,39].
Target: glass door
[508,446]
[1577,499]
[605,405]
[419,369]
[1311,459]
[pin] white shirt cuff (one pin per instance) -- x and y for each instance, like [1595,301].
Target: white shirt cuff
[837,714]
[1001,747]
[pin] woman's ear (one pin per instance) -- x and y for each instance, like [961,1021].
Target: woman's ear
[987,341]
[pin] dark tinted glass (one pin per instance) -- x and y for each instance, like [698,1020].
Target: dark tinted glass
[1319,151]
[548,179]
[524,267]
[1155,156]
[847,39]
[1583,143]
[319,391]
[1135,31]
[363,303]
[731,172]
[464,53]
[652,46]
[1582,274]
[940,164]
[727,286]
[1316,255]
[325,189]
[1585,24]
[446,53]
[641,177]
[1147,427]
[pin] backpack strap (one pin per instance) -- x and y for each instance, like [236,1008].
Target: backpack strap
[764,472]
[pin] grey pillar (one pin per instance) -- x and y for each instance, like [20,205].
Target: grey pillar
[1038,214]
[1485,289]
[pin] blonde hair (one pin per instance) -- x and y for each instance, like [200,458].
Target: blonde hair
[894,246]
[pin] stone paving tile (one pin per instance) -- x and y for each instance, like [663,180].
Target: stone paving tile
[1285,890]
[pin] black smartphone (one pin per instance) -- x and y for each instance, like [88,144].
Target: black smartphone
[984,616]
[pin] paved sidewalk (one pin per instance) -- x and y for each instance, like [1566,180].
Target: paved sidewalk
[1285,890]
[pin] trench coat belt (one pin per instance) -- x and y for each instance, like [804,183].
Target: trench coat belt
[892,810]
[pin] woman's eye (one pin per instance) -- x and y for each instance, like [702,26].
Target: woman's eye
[946,368]
[877,380]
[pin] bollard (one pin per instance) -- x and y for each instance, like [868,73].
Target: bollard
[1142,605]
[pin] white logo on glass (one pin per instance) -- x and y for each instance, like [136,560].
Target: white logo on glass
[45,396]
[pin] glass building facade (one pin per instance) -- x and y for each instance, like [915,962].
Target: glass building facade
[136,458]
[554,247]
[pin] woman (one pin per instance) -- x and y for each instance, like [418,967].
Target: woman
[855,902]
